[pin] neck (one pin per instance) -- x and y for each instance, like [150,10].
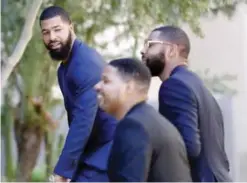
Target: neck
[71,46]
[127,105]
[169,67]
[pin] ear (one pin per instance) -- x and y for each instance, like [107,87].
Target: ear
[171,51]
[71,26]
[168,52]
[130,86]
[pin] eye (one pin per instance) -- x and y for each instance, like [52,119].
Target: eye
[58,30]
[150,44]
[45,33]
[105,81]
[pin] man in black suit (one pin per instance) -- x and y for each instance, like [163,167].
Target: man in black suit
[146,147]
[186,102]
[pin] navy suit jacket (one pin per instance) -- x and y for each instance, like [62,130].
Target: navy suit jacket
[147,148]
[90,129]
[185,101]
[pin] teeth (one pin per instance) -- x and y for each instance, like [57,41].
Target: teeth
[55,44]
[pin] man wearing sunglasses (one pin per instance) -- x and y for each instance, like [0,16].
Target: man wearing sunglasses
[186,102]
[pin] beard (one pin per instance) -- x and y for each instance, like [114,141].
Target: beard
[108,103]
[61,53]
[156,64]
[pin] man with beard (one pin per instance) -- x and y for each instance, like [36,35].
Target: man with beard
[185,101]
[85,153]
[146,147]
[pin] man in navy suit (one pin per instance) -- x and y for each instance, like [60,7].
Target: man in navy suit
[85,153]
[146,147]
[186,102]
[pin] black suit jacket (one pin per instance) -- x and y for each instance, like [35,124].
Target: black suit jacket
[147,147]
[185,101]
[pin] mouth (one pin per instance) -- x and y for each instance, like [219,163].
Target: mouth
[100,98]
[144,60]
[55,45]
[101,101]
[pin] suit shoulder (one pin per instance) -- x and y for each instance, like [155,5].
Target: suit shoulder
[187,77]
[182,80]
[86,64]
[87,56]
[131,119]
[129,125]
[145,115]
[140,112]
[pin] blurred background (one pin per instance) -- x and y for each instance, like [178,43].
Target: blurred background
[33,118]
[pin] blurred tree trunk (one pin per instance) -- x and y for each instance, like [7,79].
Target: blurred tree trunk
[30,133]
[29,142]
[25,37]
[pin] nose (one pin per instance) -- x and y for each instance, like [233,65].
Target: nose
[143,50]
[52,36]
[97,86]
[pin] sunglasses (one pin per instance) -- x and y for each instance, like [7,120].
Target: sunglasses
[149,43]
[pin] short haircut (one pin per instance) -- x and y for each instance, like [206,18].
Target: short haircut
[53,11]
[177,36]
[134,69]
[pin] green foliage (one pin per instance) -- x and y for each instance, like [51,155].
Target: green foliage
[39,175]
[131,18]
[6,129]
[227,7]
[13,14]
[54,144]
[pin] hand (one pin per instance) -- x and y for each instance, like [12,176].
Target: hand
[58,178]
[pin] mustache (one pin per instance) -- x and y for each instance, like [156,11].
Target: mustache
[52,42]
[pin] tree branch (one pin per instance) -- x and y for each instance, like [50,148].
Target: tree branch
[37,103]
[25,37]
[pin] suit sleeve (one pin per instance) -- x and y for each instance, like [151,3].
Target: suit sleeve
[178,104]
[131,153]
[83,116]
